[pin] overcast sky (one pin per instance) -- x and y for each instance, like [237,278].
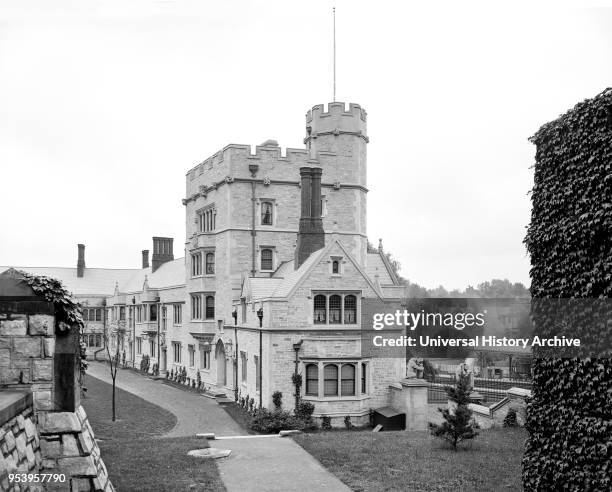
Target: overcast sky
[104,106]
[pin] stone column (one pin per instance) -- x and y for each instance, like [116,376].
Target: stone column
[410,396]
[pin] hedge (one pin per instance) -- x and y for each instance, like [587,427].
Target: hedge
[569,239]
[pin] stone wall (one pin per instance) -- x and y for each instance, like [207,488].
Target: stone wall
[19,441]
[27,345]
[68,447]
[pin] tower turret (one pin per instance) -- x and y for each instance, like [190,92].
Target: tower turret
[342,131]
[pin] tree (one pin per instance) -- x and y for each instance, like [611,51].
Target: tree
[114,365]
[458,425]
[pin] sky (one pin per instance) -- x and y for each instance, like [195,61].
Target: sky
[105,105]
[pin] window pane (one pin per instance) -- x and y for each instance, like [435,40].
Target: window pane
[335,303]
[350,310]
[210,263]
[210,307]
[363,378]
[330,384]
[312,379]
[266,213]
[348,380]
[266,259]
[320,312]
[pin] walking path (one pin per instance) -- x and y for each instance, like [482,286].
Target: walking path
[194,413]
[259,464]
[273,464]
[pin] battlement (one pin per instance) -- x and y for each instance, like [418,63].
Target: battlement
[233,152]
[337,119]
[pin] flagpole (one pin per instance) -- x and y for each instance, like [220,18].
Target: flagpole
[334,13]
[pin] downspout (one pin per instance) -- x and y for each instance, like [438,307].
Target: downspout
[260,370]
[236,364]
[158,322]
[133,334]
[253,169]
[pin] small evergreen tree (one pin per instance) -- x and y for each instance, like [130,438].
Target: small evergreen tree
[458,425]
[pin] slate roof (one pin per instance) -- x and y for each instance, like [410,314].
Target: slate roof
[95,281]
[101,281]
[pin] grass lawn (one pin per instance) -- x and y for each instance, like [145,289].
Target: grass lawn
[385,461]
[135,454]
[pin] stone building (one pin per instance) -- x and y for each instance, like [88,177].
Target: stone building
[276,268]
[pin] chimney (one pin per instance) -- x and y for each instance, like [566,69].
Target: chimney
[81,261]
[145,258]
[162,252]
[311,236]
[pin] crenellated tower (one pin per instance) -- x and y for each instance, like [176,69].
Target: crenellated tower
[343,132]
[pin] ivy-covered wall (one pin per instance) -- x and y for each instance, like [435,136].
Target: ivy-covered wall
[570,242]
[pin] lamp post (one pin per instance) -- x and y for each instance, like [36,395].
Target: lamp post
[260,314]
[235,316]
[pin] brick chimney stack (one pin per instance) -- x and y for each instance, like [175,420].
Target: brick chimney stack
[162,252]
[81,261]
[311,236]
[145,258]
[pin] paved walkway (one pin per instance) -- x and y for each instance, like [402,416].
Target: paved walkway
[262,464]
[272,464]
[194,413]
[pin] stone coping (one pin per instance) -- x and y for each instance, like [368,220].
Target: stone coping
[13,403]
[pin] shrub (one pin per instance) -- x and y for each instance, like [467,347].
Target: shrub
[277,399]
[347,422]
[458,425]
[304,410]
[510,418]
[326,422]
[269,422]
[568,417]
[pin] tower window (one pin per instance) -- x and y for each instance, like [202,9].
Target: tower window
[210,307]
[206,219]
[210,263]
[267,213]
[267,263]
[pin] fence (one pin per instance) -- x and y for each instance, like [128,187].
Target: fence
[492,390]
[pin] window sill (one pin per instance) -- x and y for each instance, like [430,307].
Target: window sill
[336,398]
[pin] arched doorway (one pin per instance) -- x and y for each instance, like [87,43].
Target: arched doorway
[221,364]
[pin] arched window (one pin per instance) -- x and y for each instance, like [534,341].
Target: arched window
[364,379]
[98,315]
[153,312]
[267,211]
[210,307]
[210,263]
[350,309]
[320,309]
[92,341]
[330,382]
[347,387]
[312,380]
[266,259]
[335,309]
[335,267]
[98,340]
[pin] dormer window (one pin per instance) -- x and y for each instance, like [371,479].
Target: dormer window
[267,213]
